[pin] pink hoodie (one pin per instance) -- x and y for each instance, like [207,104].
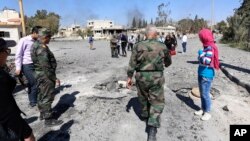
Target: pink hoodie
[207,39]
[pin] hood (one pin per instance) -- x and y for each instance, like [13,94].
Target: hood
[206,37]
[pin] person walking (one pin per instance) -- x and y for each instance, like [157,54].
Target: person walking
[131,42]
[124,41]
[24,63]
[12,125]
[45,74]
[169,42]
[184,42]
[113,45]
[173,37]
[91,42]
[161,38]
[148,60]
[208,63]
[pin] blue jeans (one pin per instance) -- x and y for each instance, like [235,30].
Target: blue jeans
[205,87]
[28,70]
[184,46]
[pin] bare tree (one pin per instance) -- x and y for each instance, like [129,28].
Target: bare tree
[163,14]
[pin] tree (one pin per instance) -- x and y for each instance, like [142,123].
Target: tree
[134,23]
[221,26]
[151,22]
[163,14]
[88,32]
[244,11]
[140,23]
[43,18]
[185,25]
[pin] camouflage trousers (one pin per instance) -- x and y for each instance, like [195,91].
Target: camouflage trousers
[151,95]
[114,52]
[45,96]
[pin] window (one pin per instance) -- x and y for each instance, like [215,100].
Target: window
[4,34]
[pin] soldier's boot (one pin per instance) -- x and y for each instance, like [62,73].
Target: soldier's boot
[152,133]
[52,122]
[43,115]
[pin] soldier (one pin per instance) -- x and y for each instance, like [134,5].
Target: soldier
[113,45]
[45,74]
[148,59]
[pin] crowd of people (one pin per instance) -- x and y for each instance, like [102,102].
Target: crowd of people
[150,54]
[122,43]
[34,59]
[148,60]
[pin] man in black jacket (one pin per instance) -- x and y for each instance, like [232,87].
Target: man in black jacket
[12,125]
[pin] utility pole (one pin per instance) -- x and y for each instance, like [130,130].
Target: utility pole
[22,16]
[212,14]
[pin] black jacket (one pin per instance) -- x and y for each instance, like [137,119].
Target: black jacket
[7,102]
[170,44]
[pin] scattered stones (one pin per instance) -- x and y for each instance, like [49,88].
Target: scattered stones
[122,84]
[225,108]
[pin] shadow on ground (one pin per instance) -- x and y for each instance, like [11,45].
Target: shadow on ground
[64,103]
[59,135]
[31,119]
[61,88]
[226,65]
[134,103]
[236,68]
[188,101]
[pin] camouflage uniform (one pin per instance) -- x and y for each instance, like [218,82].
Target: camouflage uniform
[113,45]
[45,74]
[148,59]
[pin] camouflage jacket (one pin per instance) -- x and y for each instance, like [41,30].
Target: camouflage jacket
[44,61]
[148,55]
[113,42]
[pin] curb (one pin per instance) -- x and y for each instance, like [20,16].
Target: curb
[235,79]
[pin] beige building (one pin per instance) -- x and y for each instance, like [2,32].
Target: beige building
[70,31]
[102,29]
[10,25]
[166,30]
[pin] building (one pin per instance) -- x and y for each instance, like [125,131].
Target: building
[10,25]
[70,31]
[166,30]
[103,29]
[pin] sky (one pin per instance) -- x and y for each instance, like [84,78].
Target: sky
[122,11]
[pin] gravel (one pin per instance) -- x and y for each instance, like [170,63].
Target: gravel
[94,108]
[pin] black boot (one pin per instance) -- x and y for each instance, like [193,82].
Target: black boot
[43,115]
[52,122]
[152,133]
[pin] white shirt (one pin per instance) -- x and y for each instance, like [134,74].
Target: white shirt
[184,38]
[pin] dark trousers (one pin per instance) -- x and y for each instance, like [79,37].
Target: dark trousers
[130,46]
[184,46]
[28,71]
[118,49]
[124,44]
[114,52]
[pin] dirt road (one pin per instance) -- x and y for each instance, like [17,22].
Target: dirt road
[94,108]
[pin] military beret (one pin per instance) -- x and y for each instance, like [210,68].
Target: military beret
[44,32]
